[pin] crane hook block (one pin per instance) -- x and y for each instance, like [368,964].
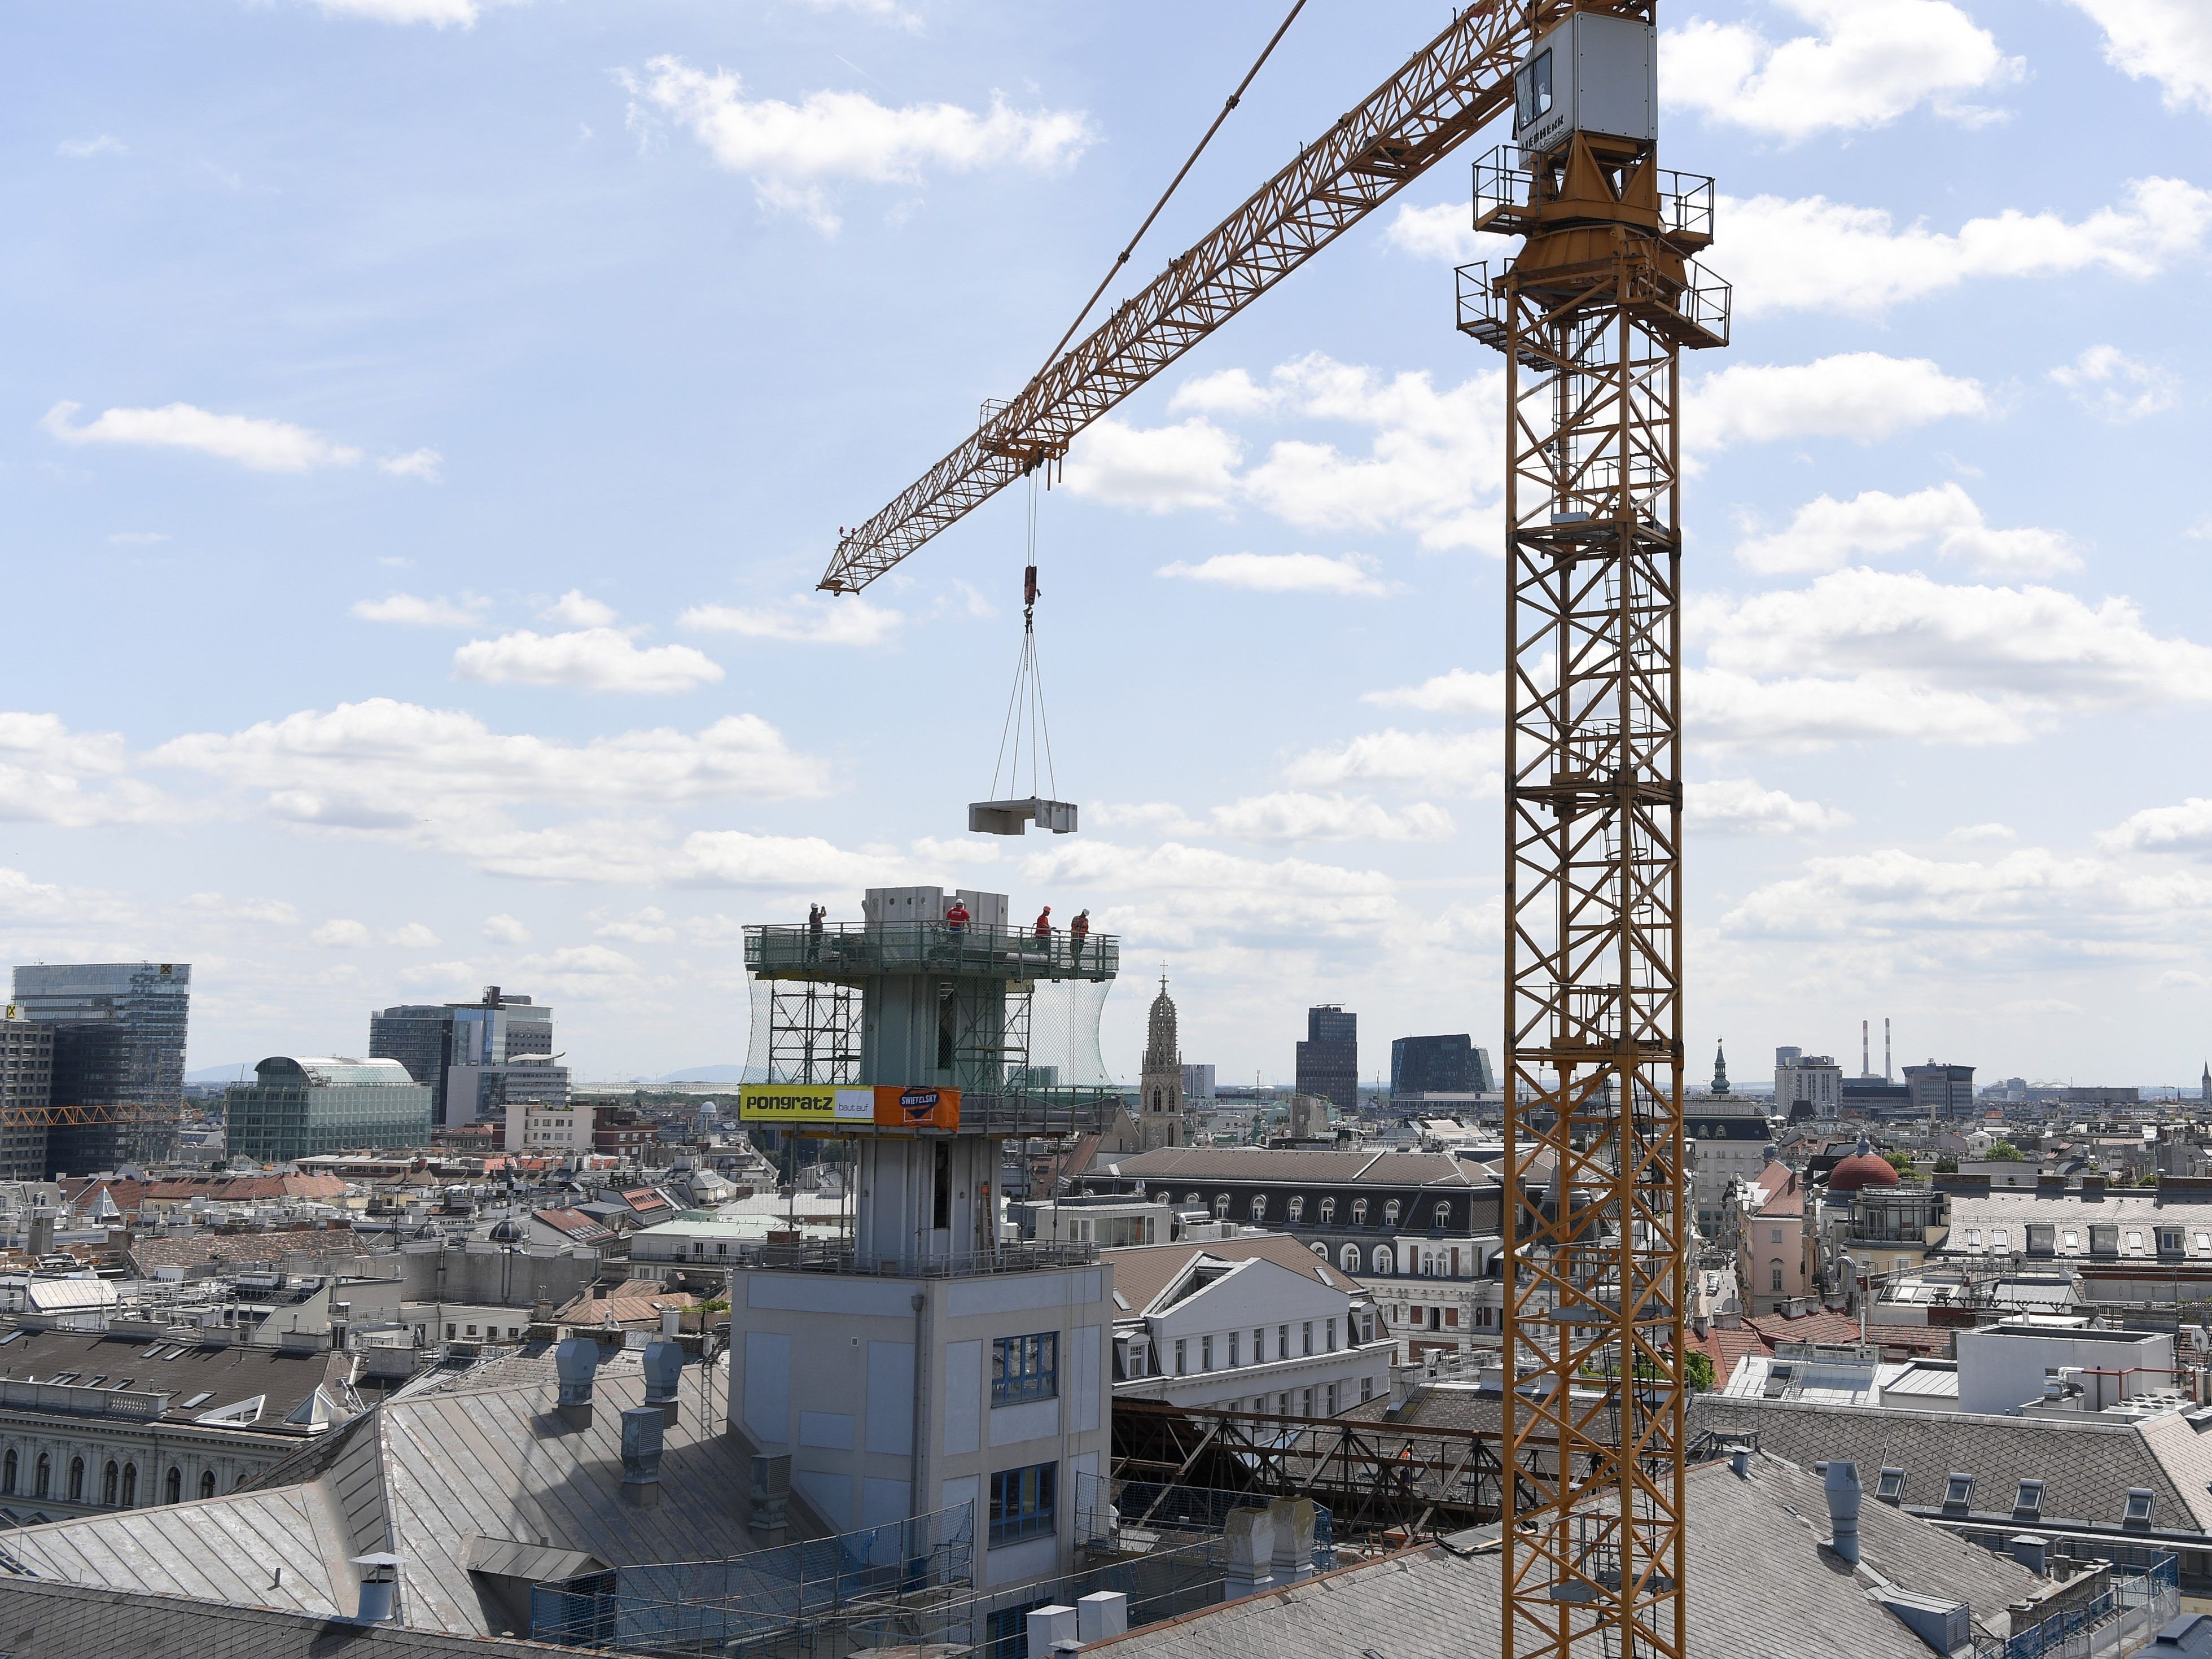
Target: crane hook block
[1029,587]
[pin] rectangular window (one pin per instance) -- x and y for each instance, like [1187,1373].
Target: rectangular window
[1367,1389]
[1025,1368]
[1023,1503]
[1234,1337]
[1308,1337]
[1260,1346]
[1282,1341]
[1182,1352]
[1332,1336]
[1205,1353]
[1332,1400]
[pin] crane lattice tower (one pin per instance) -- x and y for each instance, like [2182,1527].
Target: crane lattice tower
[1592,316]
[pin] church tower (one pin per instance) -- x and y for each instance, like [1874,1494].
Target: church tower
[1720,1069]
[1159,1103]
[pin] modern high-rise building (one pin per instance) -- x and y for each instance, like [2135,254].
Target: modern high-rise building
[1198,1082]
[27,1073]
[1329,1059]
[1439,1066]
[1941,1091]
[1807,1086]
[461,1050]
[299,1108]
[119,1042]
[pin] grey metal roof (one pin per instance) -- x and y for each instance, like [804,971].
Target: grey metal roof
[437,1468]
[227,1373]
[2137,1210]
[1760,1586]
[44,1620]
[1380,1168]
[2088,1466]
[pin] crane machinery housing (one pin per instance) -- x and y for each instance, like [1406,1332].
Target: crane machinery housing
[1591,315]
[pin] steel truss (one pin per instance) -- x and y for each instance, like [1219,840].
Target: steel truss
[1375,1479]
[813,1031]
[1592,316]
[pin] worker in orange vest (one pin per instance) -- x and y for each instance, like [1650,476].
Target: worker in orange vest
[1077,931]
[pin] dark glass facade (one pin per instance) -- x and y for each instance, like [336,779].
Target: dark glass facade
[297,1108]
[1329,1059]
[118,1041]
[1439,1066]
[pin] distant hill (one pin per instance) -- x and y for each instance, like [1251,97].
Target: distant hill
[705,1074]
[240,1071]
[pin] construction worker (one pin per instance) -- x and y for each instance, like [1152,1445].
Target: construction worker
[815,914]
[1044,928]
[956,918]
[1077,931]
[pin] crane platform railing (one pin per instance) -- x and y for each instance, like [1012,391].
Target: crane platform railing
[852,951]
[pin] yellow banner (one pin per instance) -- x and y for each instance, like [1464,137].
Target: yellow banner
[804,1102]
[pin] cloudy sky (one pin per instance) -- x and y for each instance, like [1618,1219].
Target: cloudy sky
[424,420]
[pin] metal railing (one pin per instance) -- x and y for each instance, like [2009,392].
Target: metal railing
[78,1401]
[2118,1619]
[863,950]
[1107,1505]
[1503,181]
[1013,1256]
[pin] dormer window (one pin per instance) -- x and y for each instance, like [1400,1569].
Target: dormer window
[1390,1213]
[1328,1211]
[1359,1212]
[2028,1502]
[1958,1494]
[2141,1501]
[1295,1211]
[1889,1487]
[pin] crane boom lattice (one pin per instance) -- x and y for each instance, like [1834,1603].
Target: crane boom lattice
[1592,316]
[1443,95]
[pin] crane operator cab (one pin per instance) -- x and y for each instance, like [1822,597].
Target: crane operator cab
[1593,73]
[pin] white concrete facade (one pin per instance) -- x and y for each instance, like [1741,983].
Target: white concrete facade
[824,1367]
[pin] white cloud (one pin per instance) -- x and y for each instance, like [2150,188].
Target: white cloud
[1285,573]
[2117,388]
[1903,656]
[2169,41]
[790,150]
[341,933]
[24,901]
[1970,833]
[1432,466]
[1455,762]
[274,913]
[649,926]
[1740,806]
[576,609]
[1182,894]
[1457,691]
[264,446]
[139,537]
[1860,395]
[1826,534]
[413,936]
[590,960]
[805,619]
[423,464]
[2186,828]
[439,14]
[382,764]
[1872,61]
[51,774]
[411,612]
[84,148]
[1296,816]
[1810,253]
[1445,232]
[1167,469]
[594,659]
[731,858]
[504,929]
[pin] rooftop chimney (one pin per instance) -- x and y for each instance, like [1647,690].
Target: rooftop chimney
[664,1375]
[771,1497]
[1843,1484]
[641,1427]
[380,1587]
[575,1359]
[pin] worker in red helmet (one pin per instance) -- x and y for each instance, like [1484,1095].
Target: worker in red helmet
[1044,926]
[1077,931]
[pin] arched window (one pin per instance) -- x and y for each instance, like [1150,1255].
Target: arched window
[1328,1211]
[1386,1258]
[1390,1213]
[1220,1206]
[1319,1249]
[1258,1207]
[76,1481]
[1159,1099]
[1443,1215]
[1295,1211]
[8,1471]
[107,1483]
[1348,1258]
[207,1483]
[44,1476]
[1359,1212]
[130,1486]
[173,1486]
[1190,1198]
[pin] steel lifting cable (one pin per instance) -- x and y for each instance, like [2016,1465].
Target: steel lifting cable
[1122,258]
[1025,705]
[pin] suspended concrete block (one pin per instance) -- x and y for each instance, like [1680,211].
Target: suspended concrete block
[1013,817]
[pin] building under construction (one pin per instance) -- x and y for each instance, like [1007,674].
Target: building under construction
[116,1073]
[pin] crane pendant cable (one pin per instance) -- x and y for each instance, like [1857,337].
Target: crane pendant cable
[1026,728]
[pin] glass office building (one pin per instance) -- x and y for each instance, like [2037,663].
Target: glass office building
[297,1108]
[457,1048]
[1329,1059]
[118,1041]
[1439,1066]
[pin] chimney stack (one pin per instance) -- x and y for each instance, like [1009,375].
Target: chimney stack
[575,1359]
[1844,1494]
[641,1427]
[664,1377]
[771,1497]
[380,1587]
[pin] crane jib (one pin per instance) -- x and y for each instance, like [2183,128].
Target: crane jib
[1444,94]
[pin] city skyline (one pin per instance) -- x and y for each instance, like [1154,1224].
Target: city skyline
[439,429]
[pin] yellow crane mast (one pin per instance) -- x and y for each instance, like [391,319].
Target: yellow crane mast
[1592,315]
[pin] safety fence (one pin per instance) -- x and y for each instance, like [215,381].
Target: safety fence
[2122,1617]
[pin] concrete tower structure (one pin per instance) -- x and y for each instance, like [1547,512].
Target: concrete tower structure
[927,1363]
[1159,1106]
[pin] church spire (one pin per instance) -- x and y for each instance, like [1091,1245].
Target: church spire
[1720,1067]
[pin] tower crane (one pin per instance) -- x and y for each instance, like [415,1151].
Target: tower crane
[1591,315]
